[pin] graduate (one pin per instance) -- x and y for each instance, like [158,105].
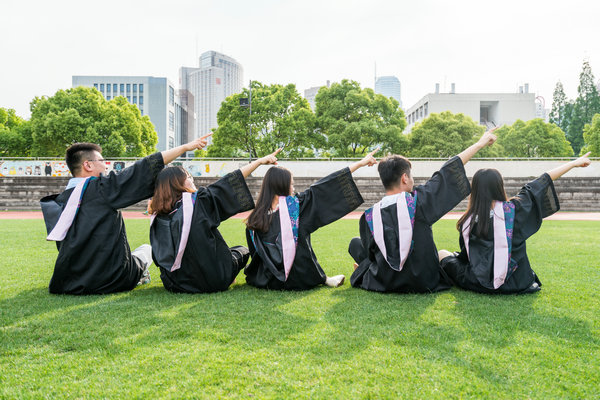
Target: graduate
[395,251]
[493,231]
[86,222]
[279,228]
[186,244]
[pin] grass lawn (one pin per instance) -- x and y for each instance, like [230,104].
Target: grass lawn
[324,343]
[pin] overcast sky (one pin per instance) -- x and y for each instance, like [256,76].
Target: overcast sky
[482,46]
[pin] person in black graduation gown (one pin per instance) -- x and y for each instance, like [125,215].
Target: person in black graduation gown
[410,264]
[494,230]
[94,256]
[284,259]
[205,263]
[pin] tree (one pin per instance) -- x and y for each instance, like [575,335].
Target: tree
[558,114]
[444,135]
[586,106]
[591,135]
[83,115]
[354,120]
[280,117]
[15,134]
[534,138]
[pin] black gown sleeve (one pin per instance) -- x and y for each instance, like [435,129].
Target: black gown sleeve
[133,184]
[443,191]
[328,200]
[534,202]
[225,198]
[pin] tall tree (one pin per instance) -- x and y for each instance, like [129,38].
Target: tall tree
[356,120]
[586,106]
[559,103]
[591,135]
[280,117]
[443,135]
[83,115]
[15,134]
[534,138]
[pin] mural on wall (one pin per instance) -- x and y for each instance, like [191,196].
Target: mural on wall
[11,168]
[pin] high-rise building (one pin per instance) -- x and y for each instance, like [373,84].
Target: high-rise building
[389,86]
[155,97]
[311,93]
[217,77]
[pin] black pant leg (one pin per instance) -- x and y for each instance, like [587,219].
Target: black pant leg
[356,250]
[240,256]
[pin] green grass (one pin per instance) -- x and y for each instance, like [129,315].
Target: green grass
[324,343]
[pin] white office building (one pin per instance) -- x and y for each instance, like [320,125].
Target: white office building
[489,109]
[155,97]
[389,86]
[217,77]
[310,94]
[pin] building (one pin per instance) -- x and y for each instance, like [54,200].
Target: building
[217,77]
[489,109]
[155,97]
[389,86]
[310,94]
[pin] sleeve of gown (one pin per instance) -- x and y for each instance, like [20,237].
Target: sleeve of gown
[133,184]
[226,197]
[536,201]
[443,191]
[328,200]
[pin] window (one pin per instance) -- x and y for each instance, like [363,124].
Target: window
[107,97]
[128,87]
[141,88]
[108,87]
[129,99]
[122,88]
[171,142]
[96,85]
[141,100]
[134,99]
[426,107]
[171,96]
[171,121]
[135,87]
[114,87]
[102,87]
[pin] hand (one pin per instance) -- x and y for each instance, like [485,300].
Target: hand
[488,138]
[582,161]
[271,158]
[199,143]
[369,160]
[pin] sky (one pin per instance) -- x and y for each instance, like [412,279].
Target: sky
[481,46]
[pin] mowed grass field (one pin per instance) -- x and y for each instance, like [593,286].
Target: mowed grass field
[325,343]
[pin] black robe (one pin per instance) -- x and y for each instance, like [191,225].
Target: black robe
[421,271]
[536,201]
[322,203]
[207,264]
[94,257]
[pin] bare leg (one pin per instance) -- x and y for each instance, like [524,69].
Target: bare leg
[443,254]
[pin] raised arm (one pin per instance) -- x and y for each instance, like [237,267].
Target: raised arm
[368,160]
[172,154]
[487,139]
[557,172]
[246,170]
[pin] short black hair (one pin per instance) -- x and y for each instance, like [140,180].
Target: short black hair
[391,169]
[78,153]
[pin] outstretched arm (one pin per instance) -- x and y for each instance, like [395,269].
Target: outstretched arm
[557,172]
[487,139]
[172,154]
[367,160]
[246,170]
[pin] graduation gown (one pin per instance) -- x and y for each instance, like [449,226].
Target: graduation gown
[421,271]
[324,202]
[207,264]
[535,201]
[94,257]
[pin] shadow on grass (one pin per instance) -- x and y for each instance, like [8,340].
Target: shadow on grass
[242,316]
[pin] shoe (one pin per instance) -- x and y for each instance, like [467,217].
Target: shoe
[335,281]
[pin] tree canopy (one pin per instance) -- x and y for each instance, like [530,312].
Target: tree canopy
[591,135]
[534,138]
[15,134]
[83,115]
[280,117]
[355,120]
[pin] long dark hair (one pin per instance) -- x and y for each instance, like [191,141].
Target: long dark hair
[170,183]
[487,186]
[277,182]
